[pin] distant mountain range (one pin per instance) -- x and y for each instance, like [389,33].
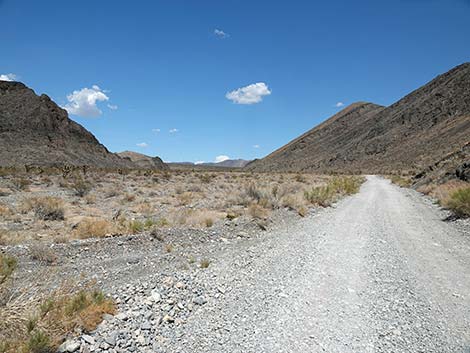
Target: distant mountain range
[229,163]
[426,133]
[413,134]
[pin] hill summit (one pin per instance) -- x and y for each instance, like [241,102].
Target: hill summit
[36,131]
[410,135]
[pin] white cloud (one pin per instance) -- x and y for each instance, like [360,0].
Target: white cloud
[142,144]
[249,94]
[339,104]
[84,102]
[172,131]
[156,130]
[221,158]
[8,77]
[112,106]
[221,34]
[256,146]
[199,162]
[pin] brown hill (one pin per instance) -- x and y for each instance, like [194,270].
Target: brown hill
[143,161]
[417,131]
[36,131]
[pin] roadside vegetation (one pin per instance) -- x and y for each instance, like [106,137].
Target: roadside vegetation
[400,180]
[37,320]
[334,189]
[78,204]
[453,195]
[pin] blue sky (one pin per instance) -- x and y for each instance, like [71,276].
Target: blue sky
[163,67]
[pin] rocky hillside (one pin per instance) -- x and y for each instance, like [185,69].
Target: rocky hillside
[412,134]
[143,161]
[36,131]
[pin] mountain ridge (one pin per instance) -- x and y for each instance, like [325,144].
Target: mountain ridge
[36,131]
[411,134]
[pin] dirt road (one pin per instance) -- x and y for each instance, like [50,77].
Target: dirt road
[380,272]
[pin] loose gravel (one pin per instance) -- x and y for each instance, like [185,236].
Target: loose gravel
[381,271]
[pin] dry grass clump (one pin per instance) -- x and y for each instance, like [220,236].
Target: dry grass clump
[94,227]
[9,237]
[45,208]
[336,187]
[42,253]
[459,202]
[205,263]
[8,265]
[196,218]
[402,181]
[453,195]
[35,323]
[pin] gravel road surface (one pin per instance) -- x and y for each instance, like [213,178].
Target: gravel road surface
[380,272]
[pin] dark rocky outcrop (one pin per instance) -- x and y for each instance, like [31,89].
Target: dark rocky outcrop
[36,131]
[417,131]
[143,161]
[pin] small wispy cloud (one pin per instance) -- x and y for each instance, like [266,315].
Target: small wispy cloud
[156,130]
[256,146]
[199,162]
[112,106]
[142,144]
[339,105]
[84,102]
[8,77]
[221,34]
[172,131]
[250,94]
[221,158]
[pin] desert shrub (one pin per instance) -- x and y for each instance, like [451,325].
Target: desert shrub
[46,208]
[302,211]
[205,178]
[136,226]
[8,265]
[258,212]
[21,184]
[80,187]
[209,222]
[459,202]
[320,195]
[185,198]
[336,187]
[39,342]
[93,227]
[205,263]
[162,222]
[62,313]
[42,253]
